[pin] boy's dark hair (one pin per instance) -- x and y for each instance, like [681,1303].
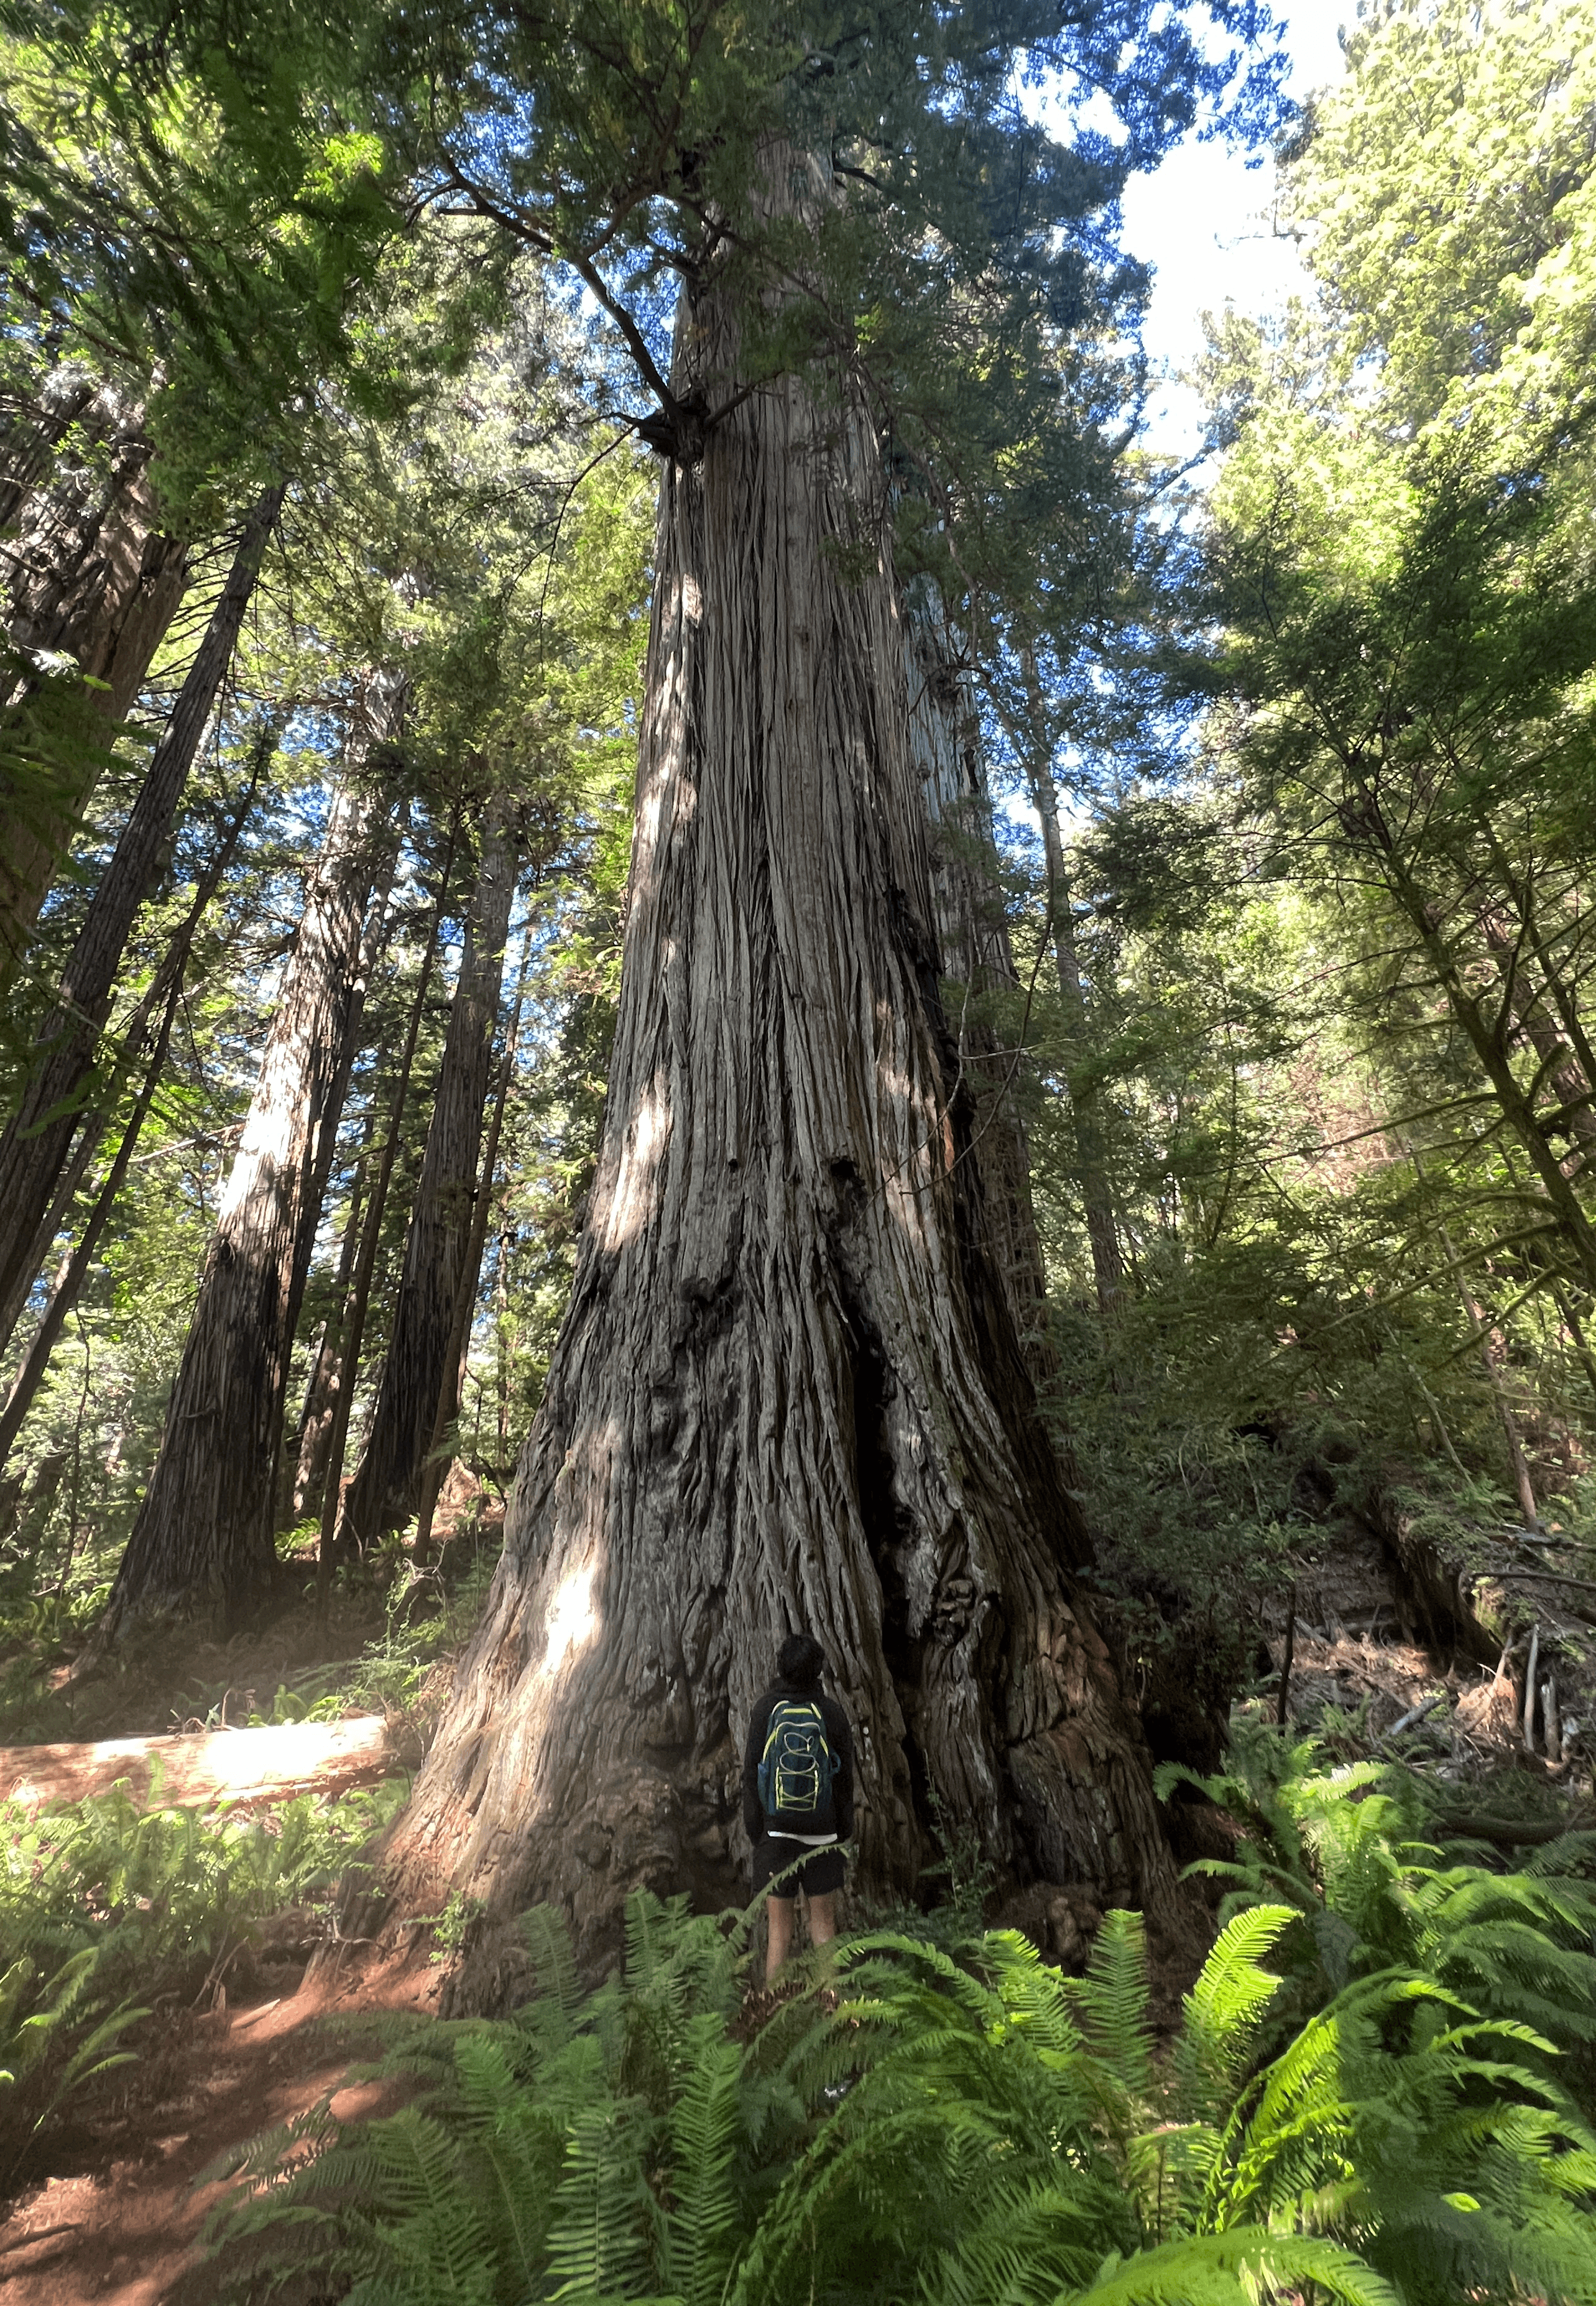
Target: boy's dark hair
[800,1660]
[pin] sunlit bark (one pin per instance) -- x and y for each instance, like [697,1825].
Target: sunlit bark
[203,1535]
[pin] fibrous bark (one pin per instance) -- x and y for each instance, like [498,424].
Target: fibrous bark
[88,576]
[335,1535]
[788,1390]
[973,932]
[386,1486]
[34,1148]
[203,1535]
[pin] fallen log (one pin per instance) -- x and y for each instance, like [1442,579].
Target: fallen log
[1510,1833]
[199,1768]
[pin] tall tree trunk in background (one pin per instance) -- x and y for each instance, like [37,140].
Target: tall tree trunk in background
[386,1486]
[450,1390]
[323,1378]
[165,992]
[788,1390]
[1091,1156]
[1034,746]
[321,1386]
[336,1536]
[973,932]
[34,1147]
[203,1535]
[87,574]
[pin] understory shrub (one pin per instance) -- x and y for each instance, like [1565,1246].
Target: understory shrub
[958,2126]
[1378,1879]
[104,1901]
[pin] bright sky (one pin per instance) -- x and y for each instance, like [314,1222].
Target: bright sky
[1202,221]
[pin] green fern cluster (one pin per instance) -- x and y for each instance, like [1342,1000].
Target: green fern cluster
[101,1896]
[1373,1883]
[166,1882]
[965,2129]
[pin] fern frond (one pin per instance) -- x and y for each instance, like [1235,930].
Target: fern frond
[1113,1999]
[703,2216]
[603,2210]
[548,1937]
[1223,2007]
[1237,2270]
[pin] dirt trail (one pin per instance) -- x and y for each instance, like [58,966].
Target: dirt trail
[119,2225]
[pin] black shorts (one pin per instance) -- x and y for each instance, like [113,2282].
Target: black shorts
[819,1873]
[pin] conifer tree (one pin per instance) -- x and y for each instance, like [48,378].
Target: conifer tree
[204,1530]
[437,1271]
[790,1387]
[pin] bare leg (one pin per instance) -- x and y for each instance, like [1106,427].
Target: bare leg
[822,1918]
[778,1915]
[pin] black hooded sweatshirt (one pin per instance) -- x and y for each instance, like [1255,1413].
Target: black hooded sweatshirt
[836,1818]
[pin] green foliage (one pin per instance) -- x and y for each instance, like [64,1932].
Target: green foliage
[1381,1884]
[947,2127]
[43,2034]
[104,1899]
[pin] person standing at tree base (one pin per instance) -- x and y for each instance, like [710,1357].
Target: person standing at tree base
[798,1797]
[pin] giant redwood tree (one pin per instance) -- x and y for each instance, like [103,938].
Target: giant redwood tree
[789,1387]
[789,1390]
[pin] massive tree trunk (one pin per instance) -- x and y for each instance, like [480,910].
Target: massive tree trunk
[33,1150]
[788,1390]
[946,747]
[203,1535]
[89,575]
[387,1486]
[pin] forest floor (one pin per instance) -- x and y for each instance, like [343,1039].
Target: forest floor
[1384,1623]
[111,2210]
[117,2219]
